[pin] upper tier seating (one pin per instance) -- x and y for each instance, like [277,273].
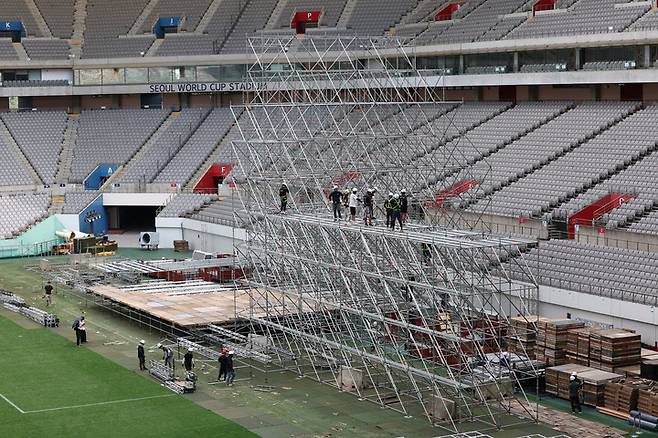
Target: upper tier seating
[58,14]
[331,10]
[190,12]
[22,210]
[111,137]
[75,202]
[11,10]
[46,48]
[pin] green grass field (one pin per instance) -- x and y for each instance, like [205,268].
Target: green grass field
[51,388]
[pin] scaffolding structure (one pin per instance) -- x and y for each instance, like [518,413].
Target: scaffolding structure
[415,321]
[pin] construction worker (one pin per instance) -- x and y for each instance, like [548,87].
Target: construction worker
[283,196]
[335,197]
[82,329]
[504,360]
[387,207]
[395,211]
[141,356]
[346,197]
[354,202]
[574,393]
[223,358]
[48,293]
[78,335]
[368,205]
[167,355]
[404,206]
[188,360]
[230,369]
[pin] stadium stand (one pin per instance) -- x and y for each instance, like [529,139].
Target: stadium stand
[217,212]
[584,17]
[198,148]
[12,170]
[107,25]
[26,209]
[331,11]
[35,83]
[253,17]
[374,17]
[111,136]
[58,14]
[40,146]
[163,145]
[46,48]
[541,167]
[19,11]
[7,51]
[190,12]
[76,201]
[186,204]
[613,272]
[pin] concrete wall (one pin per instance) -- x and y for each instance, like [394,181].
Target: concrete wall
[200,235]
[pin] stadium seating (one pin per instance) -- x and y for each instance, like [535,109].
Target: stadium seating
[253,17]
[46,48]
[190,12]
[7,51]
[217,212]
[331,10]
[545,176]
[374,17]
[75,201]
[197,149]
[22,211]
[18,10]
[111,136]
[163,145]
[58,15]
[41,146]
[185,204]
[613,272]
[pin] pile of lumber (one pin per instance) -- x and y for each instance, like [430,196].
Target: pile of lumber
[578,345]
[647,399]
[594,382]
[523,334]
[622,395]
[551,342]
[614,348]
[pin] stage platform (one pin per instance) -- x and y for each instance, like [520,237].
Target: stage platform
[190,303]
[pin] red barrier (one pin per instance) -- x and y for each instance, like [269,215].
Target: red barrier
[592,212]
[452,192]
[447,12]
[210,180]
[543,5]
[305,17]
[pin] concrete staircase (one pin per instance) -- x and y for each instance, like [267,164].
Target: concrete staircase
[139,23]
[209,14]
[18,153]
[66,156]
[347,14]
[210,160]
[276,14]
[79,24]
[154,47]
[38,18]
[20,52]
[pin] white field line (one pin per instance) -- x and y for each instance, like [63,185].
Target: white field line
[128,400]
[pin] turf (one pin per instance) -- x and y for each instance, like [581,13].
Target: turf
[64,391]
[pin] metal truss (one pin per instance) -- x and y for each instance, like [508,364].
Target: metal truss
[415,320]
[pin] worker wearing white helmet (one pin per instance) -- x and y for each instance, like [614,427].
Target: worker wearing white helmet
[387,208]
[230,369]
[574,393]
[141,355]
[353,203]
[188,360]
[395,211]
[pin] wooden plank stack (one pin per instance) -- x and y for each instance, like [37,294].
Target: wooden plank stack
[594,382]
[647,401]
[622,395]
[523,336]
[552,340]
[614,348]
[578,345]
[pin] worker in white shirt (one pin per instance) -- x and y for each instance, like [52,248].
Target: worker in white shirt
[354,201]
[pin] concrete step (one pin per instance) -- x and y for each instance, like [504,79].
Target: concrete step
[66,156]
[38,18]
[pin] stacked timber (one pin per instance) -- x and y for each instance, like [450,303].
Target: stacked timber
[593,382]
[578,345]
[622,395]
[613,349]
[523,334]
[552,340]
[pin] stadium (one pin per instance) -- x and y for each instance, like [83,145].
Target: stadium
[337,218]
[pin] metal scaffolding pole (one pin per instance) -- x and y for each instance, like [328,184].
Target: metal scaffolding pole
[407,319]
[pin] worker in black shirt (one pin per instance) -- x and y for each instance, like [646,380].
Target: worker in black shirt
[48,293]
[336,197]
[368,205]
[574,393]
[283,196]
[141,356]
[395,211]
[404,206]
[188,360]
[223,359]
[387,207]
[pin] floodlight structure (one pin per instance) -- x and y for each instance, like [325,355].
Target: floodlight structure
[407,319]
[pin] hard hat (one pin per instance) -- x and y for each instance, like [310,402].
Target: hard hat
[142,342]
[369,190]
[396,196]
[190,349]
[572,378]
[159,345]
[231,352]
[354,190]
[574,374]
[335,187]
[403,191]
[390,193]
[505,353]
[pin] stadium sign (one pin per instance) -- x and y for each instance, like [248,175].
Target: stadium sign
[206,87]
